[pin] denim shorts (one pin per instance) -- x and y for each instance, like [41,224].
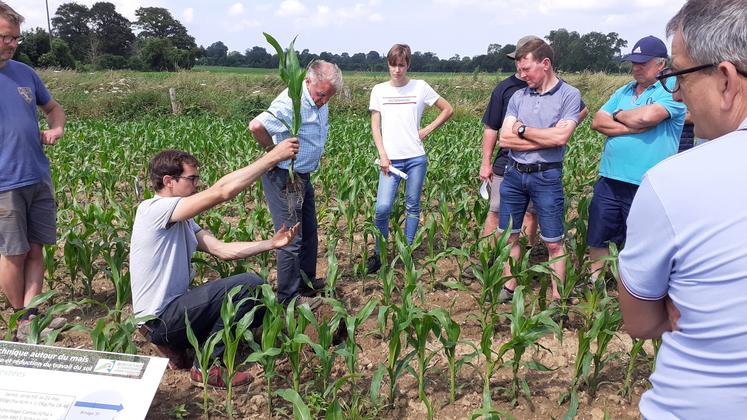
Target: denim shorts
[545,190]
[608,212]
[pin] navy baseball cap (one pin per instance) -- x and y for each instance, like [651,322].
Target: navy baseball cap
[645,49]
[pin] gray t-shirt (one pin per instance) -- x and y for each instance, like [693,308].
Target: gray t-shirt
[544,110]
[160,255]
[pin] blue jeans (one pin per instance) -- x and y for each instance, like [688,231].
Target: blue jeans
[299,256]
[415,168]
[545,189]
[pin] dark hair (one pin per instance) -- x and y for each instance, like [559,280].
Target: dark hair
[539,50]
[399,52]
[168,162]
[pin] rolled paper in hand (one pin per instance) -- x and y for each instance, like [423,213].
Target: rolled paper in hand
[393,170]
[484,190]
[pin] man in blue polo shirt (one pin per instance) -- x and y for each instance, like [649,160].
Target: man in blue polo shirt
[643,124]
[539,121]
[27,206]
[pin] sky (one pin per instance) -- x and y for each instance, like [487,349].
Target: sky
[445,27]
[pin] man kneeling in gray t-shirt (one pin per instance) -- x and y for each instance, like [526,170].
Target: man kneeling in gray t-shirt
[164,237]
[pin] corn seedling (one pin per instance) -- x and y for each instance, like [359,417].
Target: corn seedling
[422,324]
[266,352]
[115,258]
[233,333]
[526,330]
[300,409]
[630,371]
[295,326]
[349,351]
[113,336]
[332,269]
[204,358]
[322,348]
[602,320]
[449,337]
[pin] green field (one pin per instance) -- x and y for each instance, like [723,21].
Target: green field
[422,329]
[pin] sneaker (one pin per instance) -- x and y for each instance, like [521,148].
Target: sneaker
[317,285]
[373,264]
[23,330]
[215,378]
[506,295]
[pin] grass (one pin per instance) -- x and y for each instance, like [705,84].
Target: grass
[128,95]
[119,119]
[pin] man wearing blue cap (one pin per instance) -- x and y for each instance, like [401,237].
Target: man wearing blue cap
[642,124]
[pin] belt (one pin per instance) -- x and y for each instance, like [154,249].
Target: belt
[535,167]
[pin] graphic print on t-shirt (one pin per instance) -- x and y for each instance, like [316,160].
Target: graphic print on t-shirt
[399,100]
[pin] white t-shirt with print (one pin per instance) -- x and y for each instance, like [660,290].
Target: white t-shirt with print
[401,109]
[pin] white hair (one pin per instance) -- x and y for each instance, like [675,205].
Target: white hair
[324,71]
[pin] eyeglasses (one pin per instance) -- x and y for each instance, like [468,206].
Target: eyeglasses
[7,39]
[194,179]
[663,75]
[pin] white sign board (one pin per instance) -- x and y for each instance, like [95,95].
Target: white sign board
[56,383]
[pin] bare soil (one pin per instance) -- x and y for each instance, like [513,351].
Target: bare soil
[177,398]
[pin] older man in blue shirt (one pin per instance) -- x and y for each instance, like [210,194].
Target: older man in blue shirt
[293,202]
[643,124]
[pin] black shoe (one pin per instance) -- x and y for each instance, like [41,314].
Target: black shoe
[373,264]
[309,290]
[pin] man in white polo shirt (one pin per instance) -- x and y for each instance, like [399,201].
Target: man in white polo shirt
[684,268]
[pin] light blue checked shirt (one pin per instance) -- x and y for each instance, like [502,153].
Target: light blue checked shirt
[313,132]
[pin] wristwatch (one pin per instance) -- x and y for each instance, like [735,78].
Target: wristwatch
[520,131]
[614,115]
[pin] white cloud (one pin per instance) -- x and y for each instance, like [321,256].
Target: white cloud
[325,15]
[188,15]
[550,6]
[236,9]
[263,7]
[243,25]
[322,17]
[291,8]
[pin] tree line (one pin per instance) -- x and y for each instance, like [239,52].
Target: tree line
[99,38]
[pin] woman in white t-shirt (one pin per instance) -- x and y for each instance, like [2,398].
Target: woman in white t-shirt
[396,109]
